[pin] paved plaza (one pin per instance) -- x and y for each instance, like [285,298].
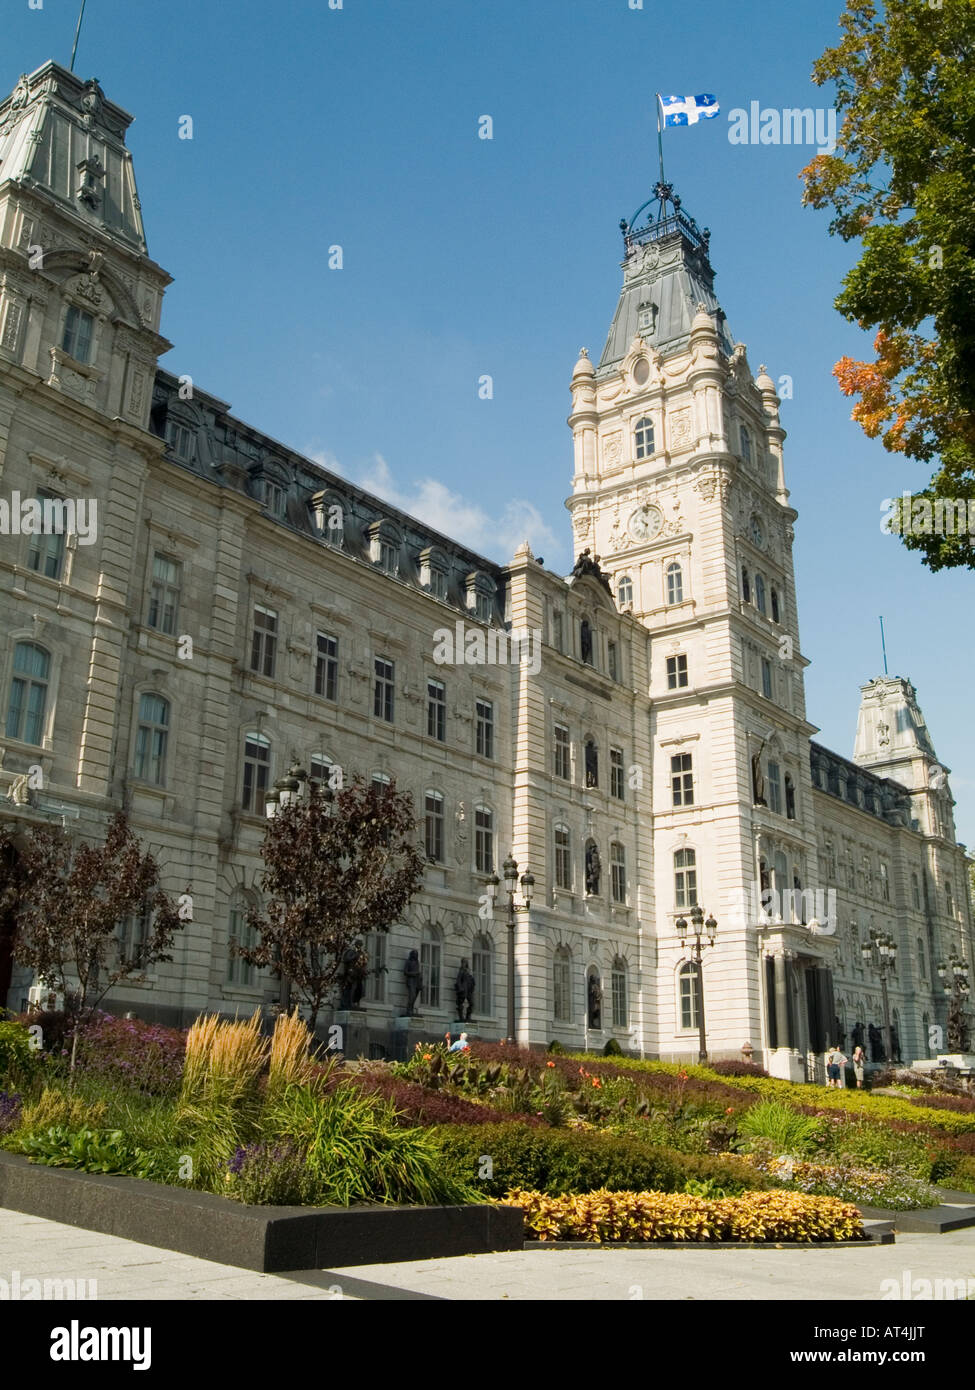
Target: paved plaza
[124,1269]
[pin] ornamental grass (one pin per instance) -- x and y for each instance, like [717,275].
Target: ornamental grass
[620,1217]
[290,1062]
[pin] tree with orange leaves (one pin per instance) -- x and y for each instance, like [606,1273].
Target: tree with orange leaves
[902,182]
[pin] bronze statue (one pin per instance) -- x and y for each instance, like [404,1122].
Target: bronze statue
[414,981]
[464,992]
[352,975]
[593,868]
[595,1002]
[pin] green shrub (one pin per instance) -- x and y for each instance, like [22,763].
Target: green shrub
[870,1145]
[561,1161]
[98,1151]
[784,1127]
[962,1175]
[17,1055]
[356,1152]
[556,1048]
[612,1049]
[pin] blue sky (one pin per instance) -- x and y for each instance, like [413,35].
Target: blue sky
[358,127]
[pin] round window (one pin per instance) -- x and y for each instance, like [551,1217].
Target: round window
[641,371]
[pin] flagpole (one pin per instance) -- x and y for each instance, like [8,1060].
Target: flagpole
[660,140]
[77,31]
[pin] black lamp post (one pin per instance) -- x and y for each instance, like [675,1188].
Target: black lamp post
[698,924]
[286,791]
[510,870]
[954,981]
[880,953]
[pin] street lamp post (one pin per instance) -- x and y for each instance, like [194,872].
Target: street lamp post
[710,926]
[954,981]
[880,953]
[286,791]
[510,870]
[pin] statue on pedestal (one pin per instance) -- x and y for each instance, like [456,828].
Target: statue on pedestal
[464,991]
[414,981]
[593,868]
[352,975]
[595,1002]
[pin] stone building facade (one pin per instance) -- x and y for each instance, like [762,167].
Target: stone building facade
[635,734]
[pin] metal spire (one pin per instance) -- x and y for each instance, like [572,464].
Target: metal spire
[77,31]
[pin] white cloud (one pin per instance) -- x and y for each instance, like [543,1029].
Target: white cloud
[496,535]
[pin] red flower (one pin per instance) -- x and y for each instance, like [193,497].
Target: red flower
[550,1064]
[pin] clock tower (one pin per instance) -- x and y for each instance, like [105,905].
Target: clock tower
[679,488]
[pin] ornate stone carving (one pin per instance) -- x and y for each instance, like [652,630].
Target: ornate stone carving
[11,326]
[680,428]
[612,449]
[617,536]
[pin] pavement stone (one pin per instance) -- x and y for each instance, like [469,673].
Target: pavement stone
[127,1270]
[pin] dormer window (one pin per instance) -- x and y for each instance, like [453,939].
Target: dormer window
[434,568]
[79,332]
[643,436]
[180,440]
[328,511]
[481,593]
[274,499]
[384,546]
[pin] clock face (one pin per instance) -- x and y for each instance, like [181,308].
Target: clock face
[757,532]
[645,523]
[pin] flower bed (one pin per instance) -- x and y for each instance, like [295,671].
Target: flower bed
[614,1217]
[892,1190]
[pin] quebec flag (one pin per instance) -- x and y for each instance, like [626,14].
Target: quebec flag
[688,110]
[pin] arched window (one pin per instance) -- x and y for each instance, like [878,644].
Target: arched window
[585,641]
[563,858]
[619,983]
[324,772]
[643,435]
[239,933]
[675,583]
[27,706]
[690,995]
[922,968]
[624,590]
[257,768]
[775,604]
[433,824]
[591,763]
[483,840]
[617,872]
[151,739]
[431,950]
[915,891]
[685,878]
[746,588]
[746,443]
[760,593]
[562,985]
[482,968]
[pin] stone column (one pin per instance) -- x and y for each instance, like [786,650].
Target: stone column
[782,1013]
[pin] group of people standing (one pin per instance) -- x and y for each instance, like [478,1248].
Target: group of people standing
[836,1061]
